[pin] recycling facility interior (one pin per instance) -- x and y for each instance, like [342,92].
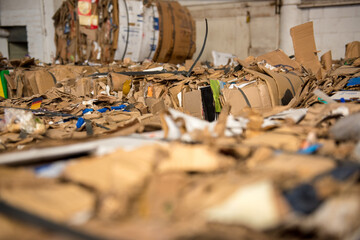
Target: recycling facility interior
[156,119]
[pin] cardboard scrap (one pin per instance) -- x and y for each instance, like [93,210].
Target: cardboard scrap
[305,49]
[326,61]
[352,50]
[278,57]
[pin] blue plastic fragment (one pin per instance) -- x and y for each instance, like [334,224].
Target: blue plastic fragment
[309,150]
[102,110]
[86,110]
[120,107]
[342,100]
[353,82]
[80,122]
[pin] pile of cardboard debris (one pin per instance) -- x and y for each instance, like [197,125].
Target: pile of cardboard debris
[266,149]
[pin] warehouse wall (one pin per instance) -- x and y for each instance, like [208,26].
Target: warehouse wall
[334,26]
[240,28]
[36,16]
[229,30]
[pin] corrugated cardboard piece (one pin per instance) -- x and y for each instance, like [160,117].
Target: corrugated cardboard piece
[254,95]
[326,60]
[305,48]
[278,57]
[192,104]
[352,50]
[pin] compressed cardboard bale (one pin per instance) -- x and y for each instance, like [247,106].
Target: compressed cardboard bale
[176,40]
[184,42]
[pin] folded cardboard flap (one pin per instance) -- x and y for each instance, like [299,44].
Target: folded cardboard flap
[305,48]
[255,95]
[288,84]
[352,50]
[278,57]
[271,84]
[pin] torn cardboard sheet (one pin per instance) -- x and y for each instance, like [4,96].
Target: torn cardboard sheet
[305,49]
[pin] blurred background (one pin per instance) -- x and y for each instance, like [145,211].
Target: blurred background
[239,27]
